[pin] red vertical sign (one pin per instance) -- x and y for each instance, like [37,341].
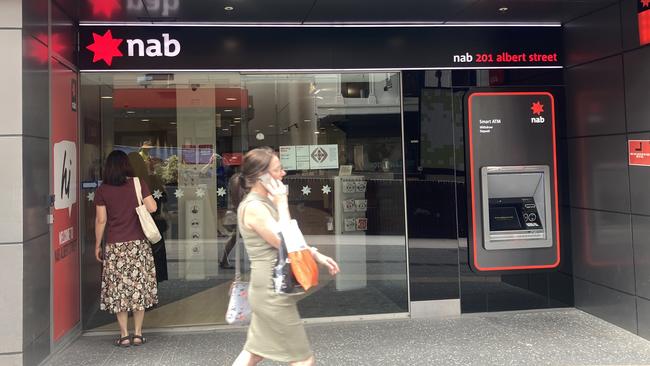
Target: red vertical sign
[65,230]
[643,11]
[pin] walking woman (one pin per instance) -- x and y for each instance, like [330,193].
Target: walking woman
[276,331]
[129,273]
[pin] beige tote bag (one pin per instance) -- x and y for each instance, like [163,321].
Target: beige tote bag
[146,221]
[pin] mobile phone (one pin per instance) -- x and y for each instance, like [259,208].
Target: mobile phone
[266,178]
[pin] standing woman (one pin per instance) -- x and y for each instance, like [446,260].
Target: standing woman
[276,331]
[129,273]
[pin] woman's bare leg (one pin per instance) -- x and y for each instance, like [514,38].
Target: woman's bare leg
[123,321]
[311,361]
[246,358]
[138,319]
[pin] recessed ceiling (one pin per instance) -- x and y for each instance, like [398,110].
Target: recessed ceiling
[336,11]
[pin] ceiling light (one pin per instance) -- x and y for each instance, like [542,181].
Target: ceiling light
[232,125]
[231,99]
[331,109]
[237,118]
[316,133]
[307,120]
[107,97]
[503,9]
[319,97]
[270,125]
[316,91]
[172,123]
[225,129]
[145,120]
[228,8]
[130,112]
[227,110]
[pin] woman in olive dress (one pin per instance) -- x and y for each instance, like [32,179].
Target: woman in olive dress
[276,331]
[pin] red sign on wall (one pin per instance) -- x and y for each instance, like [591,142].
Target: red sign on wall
[643,11]
[65,229]
[639,152]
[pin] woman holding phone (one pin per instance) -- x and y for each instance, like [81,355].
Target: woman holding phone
[276,331]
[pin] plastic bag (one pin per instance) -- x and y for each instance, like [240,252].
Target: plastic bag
[284,282]
[302,262]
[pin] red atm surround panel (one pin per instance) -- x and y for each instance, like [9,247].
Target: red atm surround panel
[473,192]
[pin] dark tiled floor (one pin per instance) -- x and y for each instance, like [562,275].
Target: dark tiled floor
[566,337]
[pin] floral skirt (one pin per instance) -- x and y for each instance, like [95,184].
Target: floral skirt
[128,277]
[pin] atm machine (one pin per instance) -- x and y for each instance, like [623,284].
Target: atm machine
[512,189]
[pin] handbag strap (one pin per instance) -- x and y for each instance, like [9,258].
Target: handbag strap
[238,246]
[138,189]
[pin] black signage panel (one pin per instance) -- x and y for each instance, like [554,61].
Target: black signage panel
[513,198]
[308,48]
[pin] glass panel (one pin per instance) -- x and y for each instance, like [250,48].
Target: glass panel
[339,139]
[182,133]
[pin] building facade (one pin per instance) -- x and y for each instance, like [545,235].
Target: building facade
[381,129]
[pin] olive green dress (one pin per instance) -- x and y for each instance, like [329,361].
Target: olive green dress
[276,331]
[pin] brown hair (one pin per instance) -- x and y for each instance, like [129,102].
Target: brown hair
[256,163]
[117,168]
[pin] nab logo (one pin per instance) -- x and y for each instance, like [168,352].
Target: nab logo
[537,109]
[105,47]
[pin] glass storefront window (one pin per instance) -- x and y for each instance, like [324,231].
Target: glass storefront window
[338,137]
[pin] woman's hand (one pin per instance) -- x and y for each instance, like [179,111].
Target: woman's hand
[327,262]
[98,253]
[277,191]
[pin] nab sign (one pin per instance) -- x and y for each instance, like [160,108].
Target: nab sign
[105,47]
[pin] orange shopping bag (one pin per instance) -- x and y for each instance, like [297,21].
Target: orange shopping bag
[303,265]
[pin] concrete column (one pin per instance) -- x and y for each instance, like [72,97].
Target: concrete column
[11,187]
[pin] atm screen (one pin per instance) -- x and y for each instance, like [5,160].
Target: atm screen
[504,218]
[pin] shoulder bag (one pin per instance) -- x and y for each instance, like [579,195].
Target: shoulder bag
[146,221]
[239,309]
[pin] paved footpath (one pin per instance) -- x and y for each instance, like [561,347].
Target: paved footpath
[556,337]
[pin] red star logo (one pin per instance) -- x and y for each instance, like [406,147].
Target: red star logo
[105,47]
[645,3]
[105,7]
[538,107]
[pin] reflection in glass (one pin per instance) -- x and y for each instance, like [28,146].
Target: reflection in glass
[339,138]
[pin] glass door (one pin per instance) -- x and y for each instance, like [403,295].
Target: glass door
[182,133]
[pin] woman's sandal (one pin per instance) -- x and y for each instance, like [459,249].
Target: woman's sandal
[142,339]
[123,342]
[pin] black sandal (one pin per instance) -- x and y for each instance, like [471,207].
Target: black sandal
[142,339]
[120,342]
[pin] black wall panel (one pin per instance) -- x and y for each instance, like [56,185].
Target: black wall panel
[602,243]
[637,89]
[595,98]
[592,37]
[641,233]
[610,305]
[598,174]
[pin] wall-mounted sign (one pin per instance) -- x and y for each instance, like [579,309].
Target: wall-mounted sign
[639,151]
[643,11]
[65,189]
[291,48]
[305,157]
